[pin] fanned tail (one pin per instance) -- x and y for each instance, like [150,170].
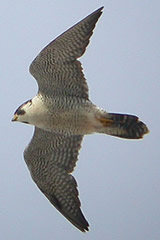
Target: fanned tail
[123,126]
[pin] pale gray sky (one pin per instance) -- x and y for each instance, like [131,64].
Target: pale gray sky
[119,180]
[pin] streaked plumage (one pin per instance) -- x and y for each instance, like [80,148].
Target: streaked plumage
[62,113]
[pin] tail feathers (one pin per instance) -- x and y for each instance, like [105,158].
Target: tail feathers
[124,126]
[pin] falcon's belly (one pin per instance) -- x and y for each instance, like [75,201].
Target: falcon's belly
[73,122]
[65,115]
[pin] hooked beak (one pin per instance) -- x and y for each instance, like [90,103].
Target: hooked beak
[15,117]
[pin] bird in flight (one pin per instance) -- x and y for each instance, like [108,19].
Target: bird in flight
[62,114]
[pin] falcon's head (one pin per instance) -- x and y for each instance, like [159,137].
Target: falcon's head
[23,112]
[33,112]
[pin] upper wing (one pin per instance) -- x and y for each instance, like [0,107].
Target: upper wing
[50,159]
[56,69]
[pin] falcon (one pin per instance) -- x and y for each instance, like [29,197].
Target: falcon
[62,114]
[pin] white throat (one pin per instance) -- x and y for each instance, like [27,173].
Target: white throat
[36,113]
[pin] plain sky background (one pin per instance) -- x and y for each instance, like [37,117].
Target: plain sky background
[119,180]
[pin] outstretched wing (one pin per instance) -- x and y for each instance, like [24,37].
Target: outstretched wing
[50,159]
[56,68]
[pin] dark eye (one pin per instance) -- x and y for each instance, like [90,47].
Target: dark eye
[20,112]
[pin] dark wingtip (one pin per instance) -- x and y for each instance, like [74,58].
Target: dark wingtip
[80,222]
[85,230]
[99,11]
